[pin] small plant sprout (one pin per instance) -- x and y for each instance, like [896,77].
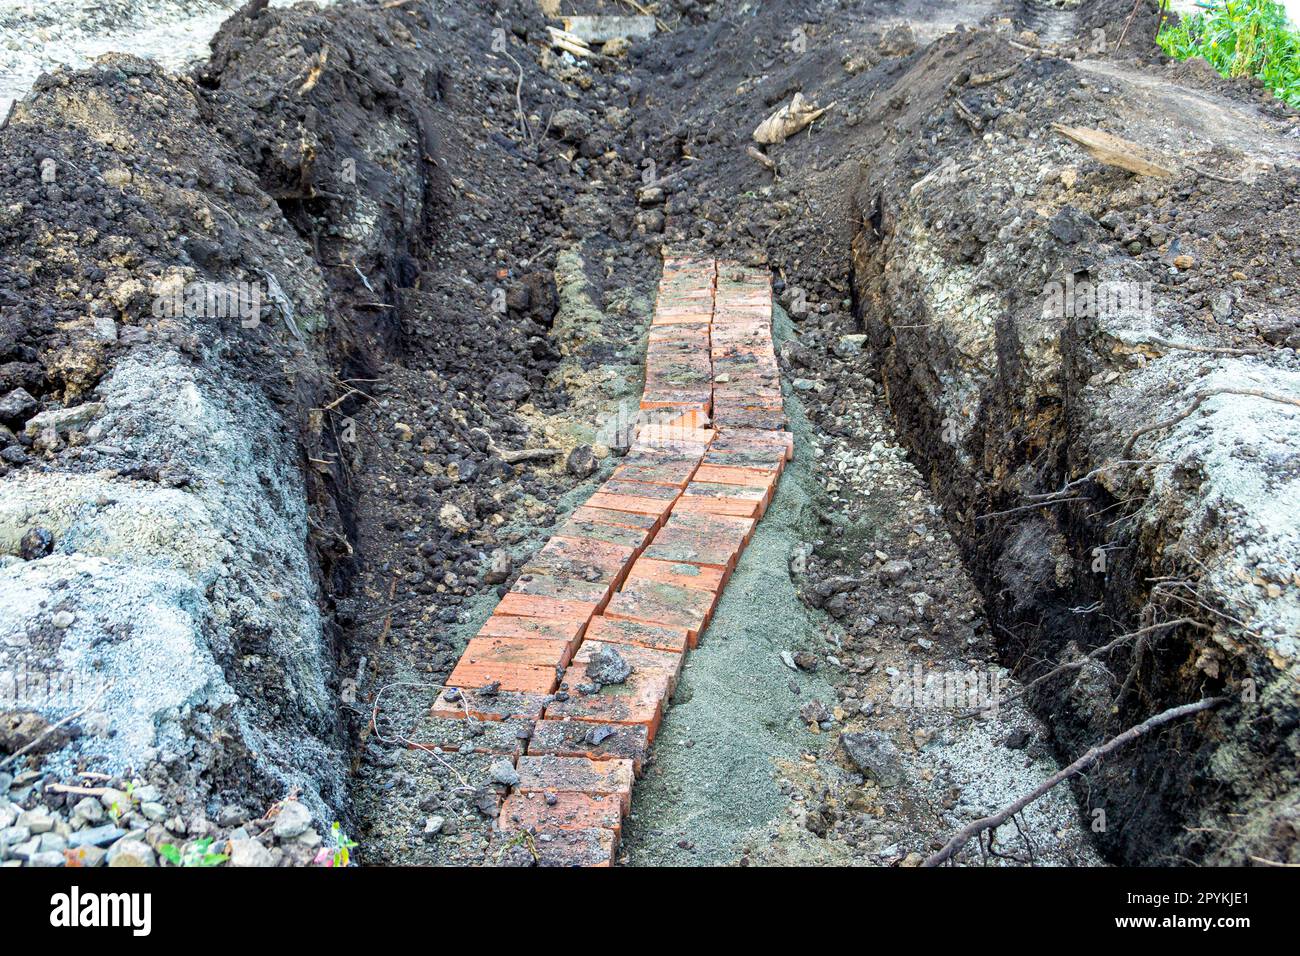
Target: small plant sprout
[337,849]
[199,853]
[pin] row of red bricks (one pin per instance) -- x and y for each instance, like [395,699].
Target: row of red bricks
[639,568]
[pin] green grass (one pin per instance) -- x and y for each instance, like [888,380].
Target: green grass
[1239,38]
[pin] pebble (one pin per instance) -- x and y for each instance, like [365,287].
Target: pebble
[96,836]
[248,852]
[503,772]
[292,820]
[36,821]
[129,852]
[88,810]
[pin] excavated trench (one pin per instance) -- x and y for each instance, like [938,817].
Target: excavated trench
[460,255]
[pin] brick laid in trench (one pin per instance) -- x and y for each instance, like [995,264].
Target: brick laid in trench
[679,573]
[594,846]
[503,737]
[563,811]
[667,604]
[597,741]
[481,705]
[576,775]
[638,633]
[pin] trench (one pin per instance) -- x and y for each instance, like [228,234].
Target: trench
[484,250]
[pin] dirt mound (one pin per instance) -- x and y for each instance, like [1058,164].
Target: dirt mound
[159,322]
[1094,496]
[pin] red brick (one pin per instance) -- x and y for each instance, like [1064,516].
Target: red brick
[647,661]
[755,496]
[768,420]
[674,572]
[604,524]
[511,677]
[665,604]
[765,438]
[567,587]
[657,637]
[503,737]
[706,540]
[584,558]
[755,457]
[675,471]
[505,705]
[737,475]
[640,699]
[637,497]
[596,741]
[500,625]
[517,650]
[566,811]
[660,396]
[531,605]
[674,437]
[576,775]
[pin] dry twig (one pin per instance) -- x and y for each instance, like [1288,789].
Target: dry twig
[972,830]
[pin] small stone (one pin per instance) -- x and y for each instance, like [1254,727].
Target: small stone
[36,543]
[17,406]
[1222,305]
[453,519]
[499,567]
[230,815]
[96,836]
[153,812]
[1017,740]
[63,620]
[814,712]
[89,810]
[607,666]
[848,346]
[805,661]
[49,170]
[433,826]
[292,820]
[249,852]
[128,852]
[38,821]
[1184,262]
[47,858]
[874,755]
[581,461]
[504,772]
[63,420]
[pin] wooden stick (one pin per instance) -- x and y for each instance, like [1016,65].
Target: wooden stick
[966,833]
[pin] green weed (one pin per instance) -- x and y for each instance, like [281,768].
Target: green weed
[1239,38]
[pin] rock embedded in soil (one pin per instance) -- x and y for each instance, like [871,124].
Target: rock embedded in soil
[581,461]
[874,754]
